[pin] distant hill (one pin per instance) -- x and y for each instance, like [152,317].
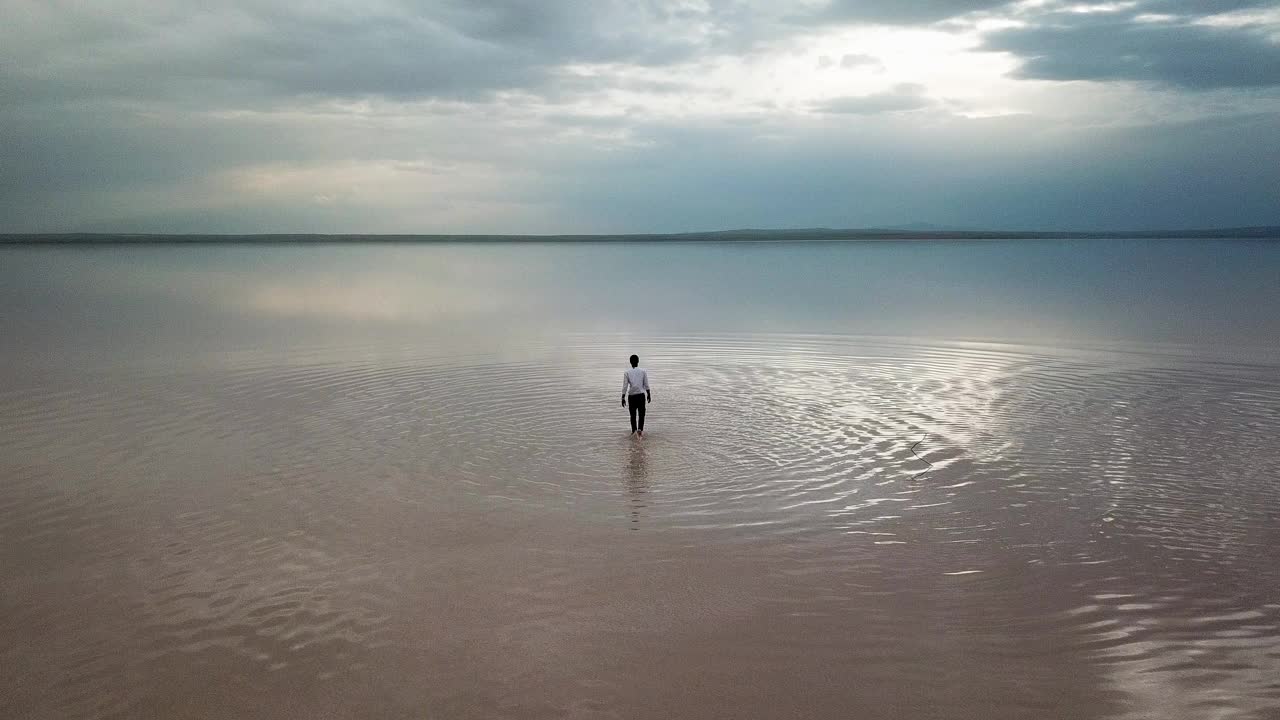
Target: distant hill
[925,227]
[741,235]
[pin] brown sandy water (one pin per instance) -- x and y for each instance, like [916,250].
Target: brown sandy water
[442,530]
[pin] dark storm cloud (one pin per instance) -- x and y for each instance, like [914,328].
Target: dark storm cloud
[444,49]
[1175,52]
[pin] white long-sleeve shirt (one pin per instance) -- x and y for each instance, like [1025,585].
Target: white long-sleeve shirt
[635,381]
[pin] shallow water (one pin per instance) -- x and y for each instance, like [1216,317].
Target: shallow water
[395,481]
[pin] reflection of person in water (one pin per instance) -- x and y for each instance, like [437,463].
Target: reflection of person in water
[636,483]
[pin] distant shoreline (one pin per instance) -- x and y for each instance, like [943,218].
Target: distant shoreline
[795,235]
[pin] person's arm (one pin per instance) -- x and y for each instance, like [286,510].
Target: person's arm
[647,391]
[626,382]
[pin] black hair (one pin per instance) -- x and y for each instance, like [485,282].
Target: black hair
[635,360]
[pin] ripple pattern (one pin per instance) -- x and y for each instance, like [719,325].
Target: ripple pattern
[302,520]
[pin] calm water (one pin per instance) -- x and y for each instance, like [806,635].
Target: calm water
[394,481]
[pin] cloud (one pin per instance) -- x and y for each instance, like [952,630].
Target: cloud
[341,48]
[1181,44]
[571,116]
[859,171]
[903,97]
[852,60]
[898,12]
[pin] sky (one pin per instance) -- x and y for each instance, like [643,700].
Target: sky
[596,116]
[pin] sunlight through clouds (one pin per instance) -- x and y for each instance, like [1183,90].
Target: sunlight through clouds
[493,116]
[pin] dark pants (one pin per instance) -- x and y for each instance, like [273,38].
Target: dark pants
[635,405]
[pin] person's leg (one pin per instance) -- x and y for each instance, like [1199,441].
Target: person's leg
[631,410]
[640,410]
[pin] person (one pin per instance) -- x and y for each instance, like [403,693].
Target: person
[635,392]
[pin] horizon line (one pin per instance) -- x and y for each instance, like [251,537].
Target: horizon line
[809,233]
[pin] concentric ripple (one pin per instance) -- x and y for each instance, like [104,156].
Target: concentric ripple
[1115,512]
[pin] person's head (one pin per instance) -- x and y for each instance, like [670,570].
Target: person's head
[635,360]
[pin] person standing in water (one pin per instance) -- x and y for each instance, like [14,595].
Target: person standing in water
[635,391]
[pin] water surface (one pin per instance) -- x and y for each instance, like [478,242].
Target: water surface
[394,481]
